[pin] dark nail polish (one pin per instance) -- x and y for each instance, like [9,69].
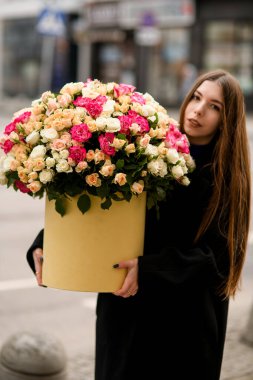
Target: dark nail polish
[43,286]
[115,266]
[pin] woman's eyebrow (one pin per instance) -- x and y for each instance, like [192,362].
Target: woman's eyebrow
[212,100]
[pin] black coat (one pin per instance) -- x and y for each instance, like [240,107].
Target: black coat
[174,327]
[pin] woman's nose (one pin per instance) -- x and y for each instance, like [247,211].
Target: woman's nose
[198,110]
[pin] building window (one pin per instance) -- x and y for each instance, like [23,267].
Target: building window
[229,46]
[21,58]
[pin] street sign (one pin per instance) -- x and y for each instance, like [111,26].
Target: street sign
[51,22]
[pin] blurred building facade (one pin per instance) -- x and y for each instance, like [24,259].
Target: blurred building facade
[159,46]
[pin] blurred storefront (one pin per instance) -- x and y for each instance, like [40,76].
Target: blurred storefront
[33,60]
[223,38]
[161,46]
[158,46]
[144,43]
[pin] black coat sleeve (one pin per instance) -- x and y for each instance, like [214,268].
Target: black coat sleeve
[38,243]
[206,263]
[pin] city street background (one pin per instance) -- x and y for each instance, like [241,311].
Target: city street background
[70,316]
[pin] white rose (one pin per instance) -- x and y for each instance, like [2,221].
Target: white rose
[147,110]
[172,155]
[158,167]
[108,107]
[6,165]
[38,151]
[3,178]
[189,161]
[101,123]
[177,171]
[50,162]
[185,181]
[152,118]
[151,150]
[36,102]
[163,118]
[14,136]
[33,138]
[110,86]
[56,155]
[46,176]
[113,125]
[64,153]
[49,134]
[63,166]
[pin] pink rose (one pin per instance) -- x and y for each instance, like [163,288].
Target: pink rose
[22,186]
[80,132]
[123,89]
[105,142]
[10,128]
[77,153]
[93,106]
[140,120]
[125,123]
[22,118]
[175,139]
[7,146]
[138,98]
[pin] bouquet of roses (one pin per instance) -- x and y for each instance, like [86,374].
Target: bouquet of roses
[106,140]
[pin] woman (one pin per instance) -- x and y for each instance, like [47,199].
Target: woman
[168,321]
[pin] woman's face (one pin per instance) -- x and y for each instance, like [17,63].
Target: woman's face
[203,113]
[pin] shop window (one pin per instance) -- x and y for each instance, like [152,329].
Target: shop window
[21,58]
[172,71]
[229,45]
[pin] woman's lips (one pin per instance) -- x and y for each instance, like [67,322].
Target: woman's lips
[194,123]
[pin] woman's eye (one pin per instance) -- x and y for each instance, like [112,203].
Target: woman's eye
[215,107]
[195,97]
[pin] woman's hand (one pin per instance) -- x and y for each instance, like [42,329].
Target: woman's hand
[130,285]
[38,260]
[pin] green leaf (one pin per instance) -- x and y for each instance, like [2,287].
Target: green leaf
[121,136]
[120,164]
[60,207]
[103,190]
[84,203]
[106,204]
[161,193]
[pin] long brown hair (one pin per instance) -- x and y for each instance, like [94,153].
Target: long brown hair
[230,200]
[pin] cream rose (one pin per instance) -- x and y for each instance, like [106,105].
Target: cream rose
[112,125]
[50,162]
[49,134]
[172,155]
[130,148]
[158,168]
[33,138]
[46,176]
[177,171]
[151,150]
[63,166]
[38,151]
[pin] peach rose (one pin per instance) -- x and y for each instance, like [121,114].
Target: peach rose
[34,186]
[120,179]
[93,180]
[137,187]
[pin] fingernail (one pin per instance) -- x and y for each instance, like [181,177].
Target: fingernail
[43,286]
[115,266]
